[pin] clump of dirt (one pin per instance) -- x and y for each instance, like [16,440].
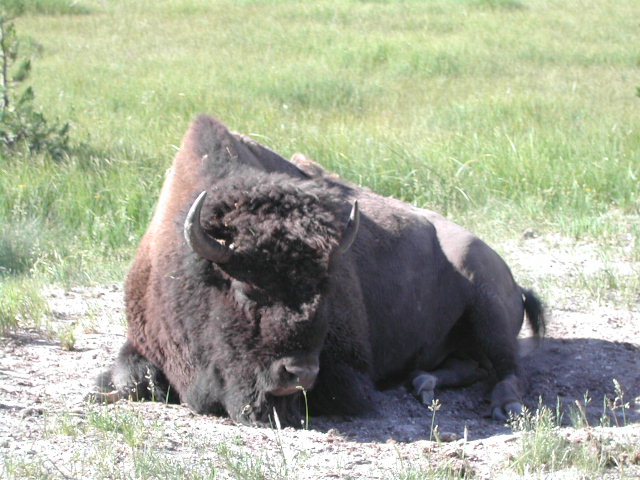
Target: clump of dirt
[586,348]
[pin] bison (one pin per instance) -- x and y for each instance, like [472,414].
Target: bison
[260,280]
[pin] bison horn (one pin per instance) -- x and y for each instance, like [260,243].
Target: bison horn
[199,241]
[351,229]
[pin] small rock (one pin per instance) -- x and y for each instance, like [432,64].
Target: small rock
[529,233]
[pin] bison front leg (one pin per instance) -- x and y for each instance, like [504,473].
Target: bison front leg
[453,372]
[132,377]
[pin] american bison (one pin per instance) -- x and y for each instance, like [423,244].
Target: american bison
[259,278]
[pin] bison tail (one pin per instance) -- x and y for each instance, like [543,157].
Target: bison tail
[535,312]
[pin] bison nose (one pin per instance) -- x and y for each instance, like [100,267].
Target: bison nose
[294,373]
[305,374]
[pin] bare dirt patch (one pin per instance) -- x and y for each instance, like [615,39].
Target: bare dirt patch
[587,347]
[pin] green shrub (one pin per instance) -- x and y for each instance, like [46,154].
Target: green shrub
[22,127]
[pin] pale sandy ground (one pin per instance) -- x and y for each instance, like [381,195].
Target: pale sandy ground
[587,346]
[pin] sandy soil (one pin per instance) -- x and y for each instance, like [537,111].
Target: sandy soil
[587,346]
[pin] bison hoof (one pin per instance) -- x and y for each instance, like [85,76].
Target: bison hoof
[502,414]
[424,388]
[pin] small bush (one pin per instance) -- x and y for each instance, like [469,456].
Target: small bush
[22,127]
[67,338]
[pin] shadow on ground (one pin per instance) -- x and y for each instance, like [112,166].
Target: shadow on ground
[559,370]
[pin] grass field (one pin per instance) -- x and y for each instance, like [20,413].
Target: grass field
[502,114]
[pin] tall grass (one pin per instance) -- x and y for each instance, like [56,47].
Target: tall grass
[501,114]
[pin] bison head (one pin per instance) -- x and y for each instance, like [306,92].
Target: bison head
[273,243]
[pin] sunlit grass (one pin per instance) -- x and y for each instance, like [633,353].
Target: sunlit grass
[21,304]
[546,448]
[501,114]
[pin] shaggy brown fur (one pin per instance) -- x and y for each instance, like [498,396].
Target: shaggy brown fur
[416,297]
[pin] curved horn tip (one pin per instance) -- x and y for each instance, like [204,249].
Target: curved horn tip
[355,212]
[351,228]
[198,240]
[193,217]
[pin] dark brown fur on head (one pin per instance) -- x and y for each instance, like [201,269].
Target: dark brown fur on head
[282,231]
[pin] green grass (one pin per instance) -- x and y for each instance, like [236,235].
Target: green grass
[44,7]
[434,469]
[21,305]
[501,114]
[545,448]
[247,464]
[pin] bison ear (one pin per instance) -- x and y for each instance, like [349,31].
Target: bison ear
[351,229]
[198,240]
